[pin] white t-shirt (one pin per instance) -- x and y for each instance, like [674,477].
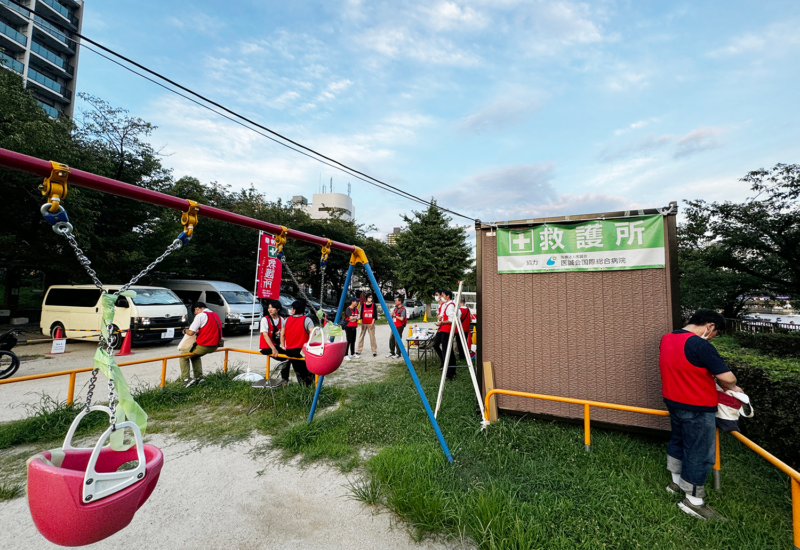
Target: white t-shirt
[266,320]
[449,311]
[200,321]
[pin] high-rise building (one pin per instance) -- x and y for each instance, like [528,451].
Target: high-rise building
[391,238]
[323,205]
[45,55]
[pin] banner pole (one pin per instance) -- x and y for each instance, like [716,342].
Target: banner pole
[255,294]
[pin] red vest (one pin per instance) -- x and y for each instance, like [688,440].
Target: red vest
[352,312]
[274,330]
[681,381]
[465,318]
[368,314]
[210,334]
[447,328]
[400,323]
[296,334]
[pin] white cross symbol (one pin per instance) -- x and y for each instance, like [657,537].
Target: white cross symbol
[521,241]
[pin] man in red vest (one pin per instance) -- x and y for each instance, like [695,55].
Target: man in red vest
[399,318]
[447,315]
[208,328]
[294,334]
[690,369]
[369,314]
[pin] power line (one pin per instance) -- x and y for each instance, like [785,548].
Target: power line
[340,166]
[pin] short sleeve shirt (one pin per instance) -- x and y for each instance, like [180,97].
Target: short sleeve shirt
[701,353]
[199,321]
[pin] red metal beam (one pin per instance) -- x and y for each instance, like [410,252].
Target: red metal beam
[42,168]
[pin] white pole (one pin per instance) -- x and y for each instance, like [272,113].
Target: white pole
[446,357]
[255,291]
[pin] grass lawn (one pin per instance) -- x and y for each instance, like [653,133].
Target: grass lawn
[522,483]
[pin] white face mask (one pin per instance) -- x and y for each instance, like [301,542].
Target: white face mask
[707,334]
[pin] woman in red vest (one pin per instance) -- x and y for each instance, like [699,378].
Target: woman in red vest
[399,319]
[447,317]
[351,316]
[208,328]
[270,329]
[294,334]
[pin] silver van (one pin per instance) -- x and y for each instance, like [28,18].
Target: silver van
[233,303]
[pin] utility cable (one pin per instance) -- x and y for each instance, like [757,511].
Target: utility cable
[352,171]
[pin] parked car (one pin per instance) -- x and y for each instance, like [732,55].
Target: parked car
[154,315]
[233,303]
[414,309]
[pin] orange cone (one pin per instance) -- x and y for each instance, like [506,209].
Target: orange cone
[126,345]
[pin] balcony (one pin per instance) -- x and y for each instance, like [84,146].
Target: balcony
[52,111]
[63,12]
[11,63]
[53,36]
[12,34]
[15,13]
[48,85]
[51,60]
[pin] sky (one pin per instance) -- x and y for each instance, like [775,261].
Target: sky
[498,109]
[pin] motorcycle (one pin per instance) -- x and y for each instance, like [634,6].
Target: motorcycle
[9,362]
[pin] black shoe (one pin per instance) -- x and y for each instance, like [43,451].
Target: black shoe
[189,382]
[374,354]
[200,380]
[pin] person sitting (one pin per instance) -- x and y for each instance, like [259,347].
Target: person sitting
[208,328]
[294,334]
[270,329]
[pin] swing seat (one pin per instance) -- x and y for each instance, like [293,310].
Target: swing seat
[77,497]
[323,358]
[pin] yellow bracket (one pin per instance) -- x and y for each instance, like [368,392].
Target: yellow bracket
[326,249]
[54,187]
[189,218]
[280,240]
[358,256]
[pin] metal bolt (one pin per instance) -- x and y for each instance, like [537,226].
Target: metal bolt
[140,476]
[88,498]
[89,481]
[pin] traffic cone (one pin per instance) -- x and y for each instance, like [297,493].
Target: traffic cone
[425,319]
[59,335]
[126,345]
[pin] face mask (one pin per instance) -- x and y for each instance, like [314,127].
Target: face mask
[369,300]
[707,334]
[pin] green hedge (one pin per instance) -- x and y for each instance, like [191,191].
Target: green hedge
[778,344]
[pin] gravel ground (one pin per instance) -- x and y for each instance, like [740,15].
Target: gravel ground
[238,497]
[15,399]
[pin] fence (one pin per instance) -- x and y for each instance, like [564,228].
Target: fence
[757,326]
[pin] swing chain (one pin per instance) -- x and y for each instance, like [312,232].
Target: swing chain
[82,259]
[326,250]
[176,244]
[90,390]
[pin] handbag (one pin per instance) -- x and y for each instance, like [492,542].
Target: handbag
[187,343]
[730,406]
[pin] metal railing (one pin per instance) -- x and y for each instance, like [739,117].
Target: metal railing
[13,34]
[16,8]
[793,474]
[53,58]
[46,81]
[757,325]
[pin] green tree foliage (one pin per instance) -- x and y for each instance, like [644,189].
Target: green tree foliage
[758,240]
[432,253]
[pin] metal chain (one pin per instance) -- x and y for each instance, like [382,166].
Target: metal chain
[176,244]
[84,261]
[300,288]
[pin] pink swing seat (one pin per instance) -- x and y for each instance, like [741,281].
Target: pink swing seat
[57,492]
[323,358]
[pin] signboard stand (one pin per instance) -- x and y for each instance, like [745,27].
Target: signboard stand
[59,347]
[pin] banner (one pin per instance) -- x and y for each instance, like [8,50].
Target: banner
[596,245]
[270,268]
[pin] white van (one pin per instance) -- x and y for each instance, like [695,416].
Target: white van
[233,303]
[155,314]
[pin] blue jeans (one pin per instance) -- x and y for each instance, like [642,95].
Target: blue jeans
[691,452]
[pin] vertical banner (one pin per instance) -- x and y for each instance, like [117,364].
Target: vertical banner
[595,245]
[269,268]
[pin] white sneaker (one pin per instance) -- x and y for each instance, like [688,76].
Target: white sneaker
[347,357]
[390,356]
[357,356]
[398,356]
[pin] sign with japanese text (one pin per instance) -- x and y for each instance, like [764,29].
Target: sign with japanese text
[270,268]
[596,245]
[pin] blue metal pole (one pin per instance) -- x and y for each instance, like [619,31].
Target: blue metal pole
[411,370]
[338,316]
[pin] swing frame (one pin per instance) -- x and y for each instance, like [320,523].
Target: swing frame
[42,168]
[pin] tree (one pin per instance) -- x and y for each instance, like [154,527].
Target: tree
[431,253]
[759,238]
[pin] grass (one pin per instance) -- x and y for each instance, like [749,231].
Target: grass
[778,367]
[522,483]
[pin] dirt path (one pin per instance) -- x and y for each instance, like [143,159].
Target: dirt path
[238,497]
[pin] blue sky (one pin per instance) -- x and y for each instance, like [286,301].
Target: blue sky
[499,109]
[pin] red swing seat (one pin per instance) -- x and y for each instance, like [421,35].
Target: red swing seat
[57,489]
[323,358]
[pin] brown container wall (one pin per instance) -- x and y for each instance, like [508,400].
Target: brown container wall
[587,335]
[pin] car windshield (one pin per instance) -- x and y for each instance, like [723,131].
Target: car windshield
[286,300]
[155,297]
[411,303]
[237,296]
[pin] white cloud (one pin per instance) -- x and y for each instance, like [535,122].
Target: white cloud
[552,26]
[636,148]
[400,42]
[774,40]
[196,22]
[698,140]
[499,115]
[634,126]
[449,15]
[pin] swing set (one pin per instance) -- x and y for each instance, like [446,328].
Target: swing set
[79,496]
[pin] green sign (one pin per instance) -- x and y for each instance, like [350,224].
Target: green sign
[597,245]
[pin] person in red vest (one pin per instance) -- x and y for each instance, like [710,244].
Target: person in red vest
[369,314]
[690,369]
[465,316]
[270,329]
[445,323]
[351,316]
[208,328]
[294,334]
[399,318]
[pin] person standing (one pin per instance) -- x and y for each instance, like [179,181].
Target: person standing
[399,319]
[369,315]
[445,324]
[208,328]
[294,334]
[690,369]
[465,316]
[350,329]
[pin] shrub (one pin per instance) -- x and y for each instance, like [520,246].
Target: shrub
[778,344]
[776,423]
